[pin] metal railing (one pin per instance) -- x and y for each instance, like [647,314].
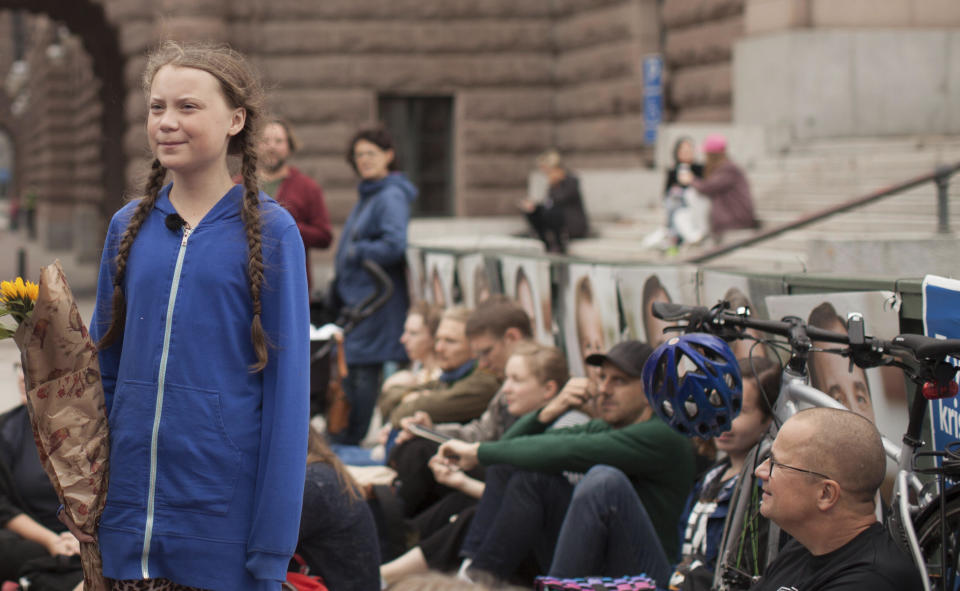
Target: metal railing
[940,177]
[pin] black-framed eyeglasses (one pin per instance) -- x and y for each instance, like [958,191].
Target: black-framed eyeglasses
[774,463]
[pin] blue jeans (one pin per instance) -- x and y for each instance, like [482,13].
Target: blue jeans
[607,532]
[362,388]
[520,513]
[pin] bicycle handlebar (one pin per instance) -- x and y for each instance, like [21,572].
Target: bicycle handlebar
[866,351]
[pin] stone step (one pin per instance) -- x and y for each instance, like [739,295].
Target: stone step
[871,144]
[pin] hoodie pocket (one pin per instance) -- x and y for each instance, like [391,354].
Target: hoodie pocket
[131,421]
[197,464]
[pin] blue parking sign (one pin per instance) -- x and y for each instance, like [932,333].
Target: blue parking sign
[652,96]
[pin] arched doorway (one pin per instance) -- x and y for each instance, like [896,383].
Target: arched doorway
[64,82]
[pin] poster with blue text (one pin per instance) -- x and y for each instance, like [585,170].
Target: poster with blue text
[941,318]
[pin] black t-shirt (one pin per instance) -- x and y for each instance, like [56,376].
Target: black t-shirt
[872,560]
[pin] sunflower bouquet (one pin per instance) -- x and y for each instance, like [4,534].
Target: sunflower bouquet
[16,301]
[64,400]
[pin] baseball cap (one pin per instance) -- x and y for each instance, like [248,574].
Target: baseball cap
[628,357]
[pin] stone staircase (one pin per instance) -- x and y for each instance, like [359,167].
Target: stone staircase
[807,178]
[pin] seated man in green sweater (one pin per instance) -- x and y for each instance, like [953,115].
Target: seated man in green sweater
[527,491]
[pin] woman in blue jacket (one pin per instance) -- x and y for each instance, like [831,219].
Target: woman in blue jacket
[376,230]
[202,320]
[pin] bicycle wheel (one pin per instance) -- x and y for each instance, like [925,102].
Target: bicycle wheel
[927,525]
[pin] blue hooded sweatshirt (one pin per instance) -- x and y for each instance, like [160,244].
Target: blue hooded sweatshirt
[377,230]
[207,459]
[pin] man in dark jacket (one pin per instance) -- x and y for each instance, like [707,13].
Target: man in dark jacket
[560,216]
[295,191]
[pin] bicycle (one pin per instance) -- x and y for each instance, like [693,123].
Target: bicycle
[926,524]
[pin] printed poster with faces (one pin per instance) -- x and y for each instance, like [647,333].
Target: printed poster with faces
[475,278]
[415,274]
[640,287]
[526,280]
[591,316]
[876,393]
[439,285]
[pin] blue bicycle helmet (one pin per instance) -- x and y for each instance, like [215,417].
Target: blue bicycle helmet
[693,383]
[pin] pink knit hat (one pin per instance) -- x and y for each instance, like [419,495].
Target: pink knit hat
[714,144]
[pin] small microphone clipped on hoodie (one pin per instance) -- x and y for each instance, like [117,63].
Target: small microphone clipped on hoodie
[174,222]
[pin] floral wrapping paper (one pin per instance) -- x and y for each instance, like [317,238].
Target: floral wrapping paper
[67,410]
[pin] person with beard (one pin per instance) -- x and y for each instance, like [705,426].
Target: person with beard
[295,191]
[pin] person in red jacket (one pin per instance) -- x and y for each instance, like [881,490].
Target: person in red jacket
[295,191]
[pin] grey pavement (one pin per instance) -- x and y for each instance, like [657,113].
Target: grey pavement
[82,278]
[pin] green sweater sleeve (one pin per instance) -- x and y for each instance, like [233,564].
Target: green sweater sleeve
[637,450]
[528,424]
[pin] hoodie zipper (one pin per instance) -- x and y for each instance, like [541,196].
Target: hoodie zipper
[158,409]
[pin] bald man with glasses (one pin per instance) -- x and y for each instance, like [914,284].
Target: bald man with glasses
[819,486]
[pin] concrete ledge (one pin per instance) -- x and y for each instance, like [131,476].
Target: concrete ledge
[891,257]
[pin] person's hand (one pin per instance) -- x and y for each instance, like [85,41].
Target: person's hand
[412,395]
[401,379]
[684,176]
[65,519]
[575,394]
[65,543]
[461,453]
[526,205]
[418,418]
[384,434]
[446,472]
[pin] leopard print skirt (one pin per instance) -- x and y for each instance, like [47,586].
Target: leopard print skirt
[149,585]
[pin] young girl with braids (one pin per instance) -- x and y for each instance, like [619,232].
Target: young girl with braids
[202,320]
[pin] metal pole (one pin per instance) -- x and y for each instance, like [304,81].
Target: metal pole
[943,183]
[21,262]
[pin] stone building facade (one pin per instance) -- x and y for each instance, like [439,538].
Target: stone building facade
[517,77]
[481,86]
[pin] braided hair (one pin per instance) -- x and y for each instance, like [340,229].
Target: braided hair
[242,89]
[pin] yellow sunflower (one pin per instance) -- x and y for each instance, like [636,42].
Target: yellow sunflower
[16,300]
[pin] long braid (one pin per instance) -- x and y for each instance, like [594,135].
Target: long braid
[119,306]
[250,213]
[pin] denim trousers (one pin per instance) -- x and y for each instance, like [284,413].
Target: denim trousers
[362,388]
[607,532]
[519,515]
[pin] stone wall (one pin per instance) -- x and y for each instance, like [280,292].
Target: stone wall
[766,16]
[600,47]
[698,50]
[328,63]
[523,76]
